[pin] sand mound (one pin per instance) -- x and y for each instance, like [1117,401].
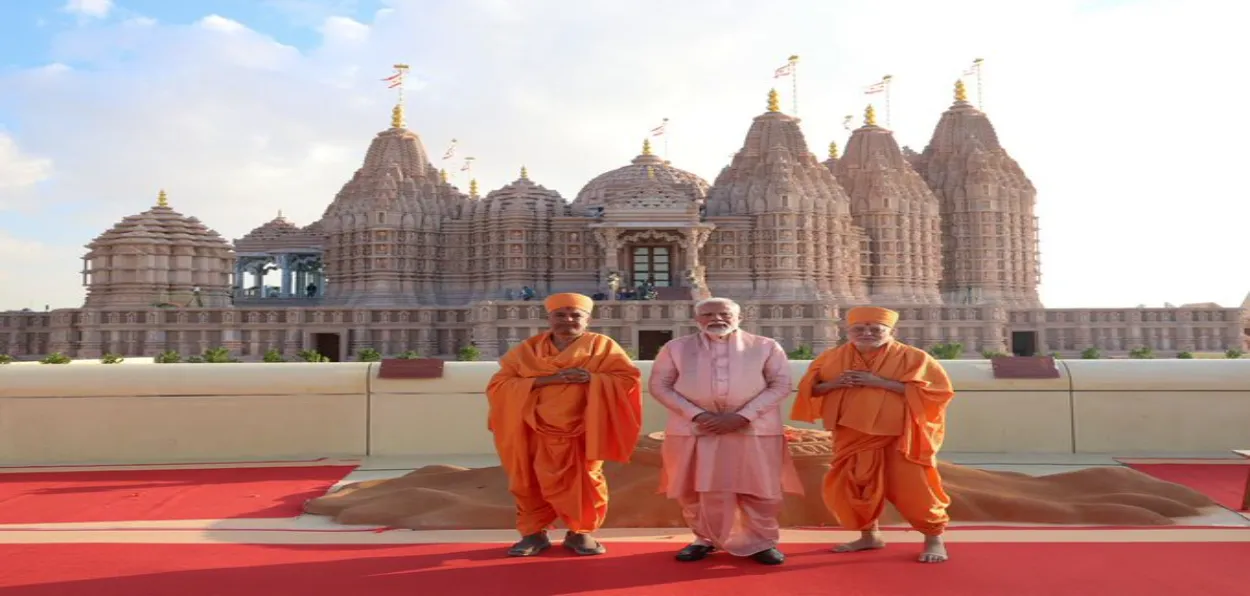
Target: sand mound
[450,497]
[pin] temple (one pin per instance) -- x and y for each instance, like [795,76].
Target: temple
[402,261]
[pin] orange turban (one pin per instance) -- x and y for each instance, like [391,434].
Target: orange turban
[871,314]
[557,301]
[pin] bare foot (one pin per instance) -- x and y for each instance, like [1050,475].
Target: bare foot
[867,541]
[934,550]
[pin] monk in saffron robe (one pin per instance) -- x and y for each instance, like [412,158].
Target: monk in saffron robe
[886,405]
[725,456]
[562,403]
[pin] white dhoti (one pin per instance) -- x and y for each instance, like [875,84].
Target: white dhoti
[730,487]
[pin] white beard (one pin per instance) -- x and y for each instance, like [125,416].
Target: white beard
[719,331]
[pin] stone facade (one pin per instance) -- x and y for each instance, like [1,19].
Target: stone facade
[402,260]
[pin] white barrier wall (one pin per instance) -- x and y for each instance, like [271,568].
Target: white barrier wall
[204,412]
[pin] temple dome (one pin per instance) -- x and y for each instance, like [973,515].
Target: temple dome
[158,256]
[521,197]
[275,234]
[160,225]
[645,169]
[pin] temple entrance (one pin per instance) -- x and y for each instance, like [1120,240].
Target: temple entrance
[1024,343]
[651,263]
[328,345]
[650,342]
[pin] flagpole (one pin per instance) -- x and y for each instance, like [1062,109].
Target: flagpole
[980,99]
[794,82]
[886,80]
[665,125]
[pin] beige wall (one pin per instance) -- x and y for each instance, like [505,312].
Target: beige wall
[189,412]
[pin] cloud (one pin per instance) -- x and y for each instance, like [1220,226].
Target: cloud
[1119,112]
[97,9]
[35,274]
[19,172]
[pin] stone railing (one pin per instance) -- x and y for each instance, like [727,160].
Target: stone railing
[188,412]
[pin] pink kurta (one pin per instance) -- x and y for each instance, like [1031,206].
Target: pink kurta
[730,486]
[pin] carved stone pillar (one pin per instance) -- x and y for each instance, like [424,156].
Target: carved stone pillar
[609,240]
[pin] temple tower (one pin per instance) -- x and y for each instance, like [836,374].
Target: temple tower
[513,235]
[989,233]
[158,257]
[384,231]
[783,223]
[899,213]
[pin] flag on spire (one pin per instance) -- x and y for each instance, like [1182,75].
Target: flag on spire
[659,130]
[468,164]
[451,151]
[784,71]
[875,88]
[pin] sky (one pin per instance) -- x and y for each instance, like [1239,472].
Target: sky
[1127,115]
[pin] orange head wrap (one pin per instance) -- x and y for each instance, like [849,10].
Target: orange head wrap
[871,314]
[558,301]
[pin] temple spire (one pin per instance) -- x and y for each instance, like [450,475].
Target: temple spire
[161,199]
[774,101]
[397,82]
[473,188]
[870,116]
[961,92]
[833,149]
[525,173]
[646,146]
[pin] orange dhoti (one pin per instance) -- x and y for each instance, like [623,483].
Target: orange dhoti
[552,440]
[869,470]
[885,439]
[557,483]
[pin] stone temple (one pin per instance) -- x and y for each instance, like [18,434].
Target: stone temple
[403,261]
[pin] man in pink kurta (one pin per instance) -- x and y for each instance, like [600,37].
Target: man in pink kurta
[725,456]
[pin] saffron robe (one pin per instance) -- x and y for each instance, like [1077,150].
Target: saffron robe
[885,444]
[552,441]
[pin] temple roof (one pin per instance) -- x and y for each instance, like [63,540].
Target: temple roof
[775,171]
[965,148]
[160,225]
[276,234]
[646,168]
[521,196]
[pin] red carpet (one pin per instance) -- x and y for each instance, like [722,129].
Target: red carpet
[630,569]
[139,495]
[1224,483]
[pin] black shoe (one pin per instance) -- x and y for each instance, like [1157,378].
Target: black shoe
[530,545]
[695,552]
[583,544]
[771,556]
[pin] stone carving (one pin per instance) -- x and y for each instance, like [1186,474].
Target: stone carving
[778,227]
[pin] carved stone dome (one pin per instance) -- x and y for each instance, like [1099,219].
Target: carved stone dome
[644,169]
[158,256]
[521,197]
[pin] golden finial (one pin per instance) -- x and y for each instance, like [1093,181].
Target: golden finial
[525,173]
[646,146]
[833,150]
[961,92]
[397,116]
[774,101]
[161,199]
[473,187]
[279,214]
[442,175]
[870,116]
